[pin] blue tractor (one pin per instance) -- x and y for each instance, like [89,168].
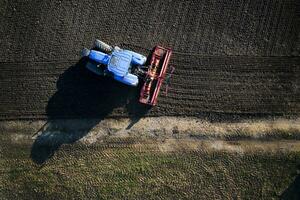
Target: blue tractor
[129,67]
[122,65]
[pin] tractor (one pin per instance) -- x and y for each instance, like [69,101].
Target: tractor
[130,68]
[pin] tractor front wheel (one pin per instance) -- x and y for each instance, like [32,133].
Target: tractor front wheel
[95,68]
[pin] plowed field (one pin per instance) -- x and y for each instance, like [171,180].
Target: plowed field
[238,57]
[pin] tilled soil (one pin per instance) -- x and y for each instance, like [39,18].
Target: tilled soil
[57,30]
[237,57]
[212,84]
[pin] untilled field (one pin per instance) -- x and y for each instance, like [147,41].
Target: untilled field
[227,129]
[115,173]
[66,159]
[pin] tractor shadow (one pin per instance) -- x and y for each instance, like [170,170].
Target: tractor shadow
[82,95]
[293,191]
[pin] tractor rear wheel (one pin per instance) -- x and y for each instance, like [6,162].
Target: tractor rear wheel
[101,46]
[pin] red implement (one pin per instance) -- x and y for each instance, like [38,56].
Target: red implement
[155,76]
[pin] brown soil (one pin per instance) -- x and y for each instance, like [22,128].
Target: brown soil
[246,64]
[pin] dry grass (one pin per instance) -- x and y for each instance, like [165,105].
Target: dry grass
[99,172]
[158,158]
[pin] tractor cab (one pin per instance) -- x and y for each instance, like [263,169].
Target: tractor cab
[120,63]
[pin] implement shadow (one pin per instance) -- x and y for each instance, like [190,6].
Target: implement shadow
[82,95]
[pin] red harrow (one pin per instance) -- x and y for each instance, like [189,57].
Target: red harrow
[155,75]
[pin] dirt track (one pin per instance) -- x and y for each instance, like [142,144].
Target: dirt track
[244,62]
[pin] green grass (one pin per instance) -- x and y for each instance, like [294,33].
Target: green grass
[84,172]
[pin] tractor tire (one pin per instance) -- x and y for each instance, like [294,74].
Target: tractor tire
[101,46]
